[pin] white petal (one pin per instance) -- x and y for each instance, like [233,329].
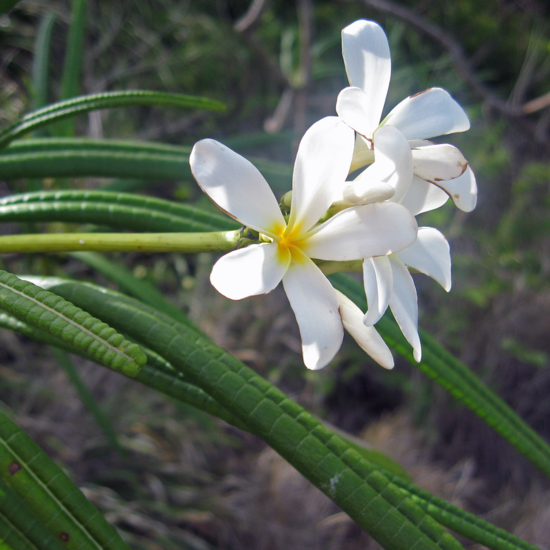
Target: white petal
[256,269]
[375,192]
[363,232]
[315,304]
[354,108]
[423,196]
[430,254]
[235,185]
[322,165]
[404,305]
[462,190]
[438,162]
[363,153]
[427,114]
[392,168]
[367,337]
[368,63]
[378,282]
[393,153]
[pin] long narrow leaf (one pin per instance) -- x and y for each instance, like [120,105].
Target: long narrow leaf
[460,382]
[41,61]
[113,215]
[51,313]
[198,219]
[80,157]
[50,494]
[321,456]
[74,60]
[107,100]
[19,527]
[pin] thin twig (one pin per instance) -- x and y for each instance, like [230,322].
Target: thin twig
[251,18]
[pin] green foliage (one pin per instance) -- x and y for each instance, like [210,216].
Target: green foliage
[53,314]
[50,494]
[195,48]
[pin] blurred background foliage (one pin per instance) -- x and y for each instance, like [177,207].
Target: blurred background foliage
[170,477]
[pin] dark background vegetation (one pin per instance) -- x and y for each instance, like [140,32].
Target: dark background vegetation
[185,480]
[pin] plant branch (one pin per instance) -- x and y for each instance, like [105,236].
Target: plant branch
[220,241]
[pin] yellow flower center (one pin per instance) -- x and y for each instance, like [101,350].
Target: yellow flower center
[293,242]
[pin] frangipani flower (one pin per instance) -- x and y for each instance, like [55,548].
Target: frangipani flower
[419,117]
[286,249]
[386,279]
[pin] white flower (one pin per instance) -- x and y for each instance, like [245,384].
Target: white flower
[419,117]
[386,279]
[322,164]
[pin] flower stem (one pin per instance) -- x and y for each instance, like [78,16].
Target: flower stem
[220,241]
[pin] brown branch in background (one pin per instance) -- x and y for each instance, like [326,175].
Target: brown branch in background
[276,121]
[525,78]
[245,27]
[537,104]
[252,17]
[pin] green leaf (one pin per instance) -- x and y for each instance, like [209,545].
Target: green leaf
[157,373]
[459,381]
[125,210]
[74,60]
[160,375]
[41,61]
[81,157]
[50,494]
[19,527]
[51,313]
[321,456]
[107,100]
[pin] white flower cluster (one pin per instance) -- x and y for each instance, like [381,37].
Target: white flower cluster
[402,175]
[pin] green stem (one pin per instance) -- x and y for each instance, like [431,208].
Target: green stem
[218,241]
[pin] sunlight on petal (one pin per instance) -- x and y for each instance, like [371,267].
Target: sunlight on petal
[315,304]
[256,269]
[363,232]
[393,154]
[367,337]
[353,107]
[428,114]
[462,190]
[378,282]
[404,305]
[366,191]
[430,254]
[322,165]
[438,162]
[235,185]
[368,63]
[423,196]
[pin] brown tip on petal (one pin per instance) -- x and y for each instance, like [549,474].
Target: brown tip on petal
[420,93]
[456,197]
